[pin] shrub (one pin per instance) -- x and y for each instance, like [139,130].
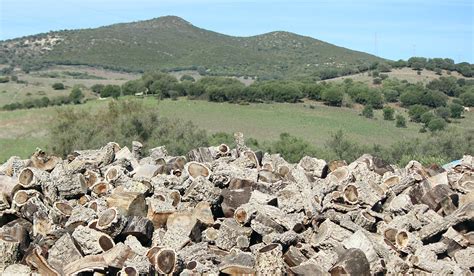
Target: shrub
[4,79]
[436,124]
[97,88]
[110,90]
[377,81]
[427,117]
[291,148]
[58,86]
[467,98]
[368,111]
[14,78]
[400,121]
[388,113]
[186,77]
[456,110]
[122,122]
[415,112]
[333,96]
[391,95]
[76,95]
[443,112]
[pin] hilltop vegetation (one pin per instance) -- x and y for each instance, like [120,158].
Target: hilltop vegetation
[172,43]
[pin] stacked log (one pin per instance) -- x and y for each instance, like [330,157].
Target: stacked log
[232,211]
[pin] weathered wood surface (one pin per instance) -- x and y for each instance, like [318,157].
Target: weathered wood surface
[232,211]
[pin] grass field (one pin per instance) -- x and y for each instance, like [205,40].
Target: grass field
[407,74]
[24,130]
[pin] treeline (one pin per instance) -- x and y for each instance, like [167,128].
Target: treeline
[75,97]
[438,101]
[125,121]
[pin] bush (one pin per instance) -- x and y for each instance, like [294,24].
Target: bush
[456,110]
[122,122]
[377,81]
[400,121]
[291,148]
[467,98]
[436,124]
[110,90]
[427,117]
[415,112]
[388,113]
[187,78]
[58,86]
[391,95]
[4,79]
[443,112]
[333,96]
[76,95]
[368,111]
[97,88]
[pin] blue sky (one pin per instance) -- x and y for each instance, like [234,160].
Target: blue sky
[395,29]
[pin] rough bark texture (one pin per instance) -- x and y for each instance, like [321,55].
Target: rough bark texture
[232,211]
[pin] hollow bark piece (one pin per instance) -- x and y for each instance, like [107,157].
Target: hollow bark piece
[240,142]
[32,206]
[101,188]
[117,256]
[317,167]
[146,171]
[18,229]
[85,264]
[238,263]
[80,215]
[63,252]
[36,260]
[352,262]
[403,183]
[66,183]
[455,241]
[269,260]
[180,228]
[10,251]
[139,227]
[42,161]
[293,257]
[111,222]
[201,189]
[32,177]
[462,214]
[228,233]
[195,169]
[92,241]
[244,213]
[407,242]
[129,271]
[21,197]
[365,220]
[341,175]
[165,261]
[128,203]
[329,235]
[464,258]
[8,186]
[361,240]
[202,155]
[440,196]
[350,194]
[159,209]
[202,211]
[233,198]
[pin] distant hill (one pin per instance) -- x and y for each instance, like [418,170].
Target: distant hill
[174,44]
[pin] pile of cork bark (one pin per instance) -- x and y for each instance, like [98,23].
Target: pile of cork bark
[232,211]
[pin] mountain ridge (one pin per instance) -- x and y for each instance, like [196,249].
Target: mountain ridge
[172,43]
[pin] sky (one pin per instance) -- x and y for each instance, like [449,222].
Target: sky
[393,29]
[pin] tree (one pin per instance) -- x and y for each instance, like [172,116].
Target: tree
[447,85]
[391,95]
[388,113]
[456,110]
[436,124]
[97,88]
[333,96]
[110,90]
[400,121]
[368,112]
[415,112]
[427,117]
[467,98]
[76,95]
[383,67]
[58,86]
[443,112]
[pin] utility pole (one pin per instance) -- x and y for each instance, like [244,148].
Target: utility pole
[376,50]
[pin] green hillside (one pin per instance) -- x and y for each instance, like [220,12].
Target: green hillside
[172,43]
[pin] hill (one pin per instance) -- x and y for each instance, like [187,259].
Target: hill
[172,43]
